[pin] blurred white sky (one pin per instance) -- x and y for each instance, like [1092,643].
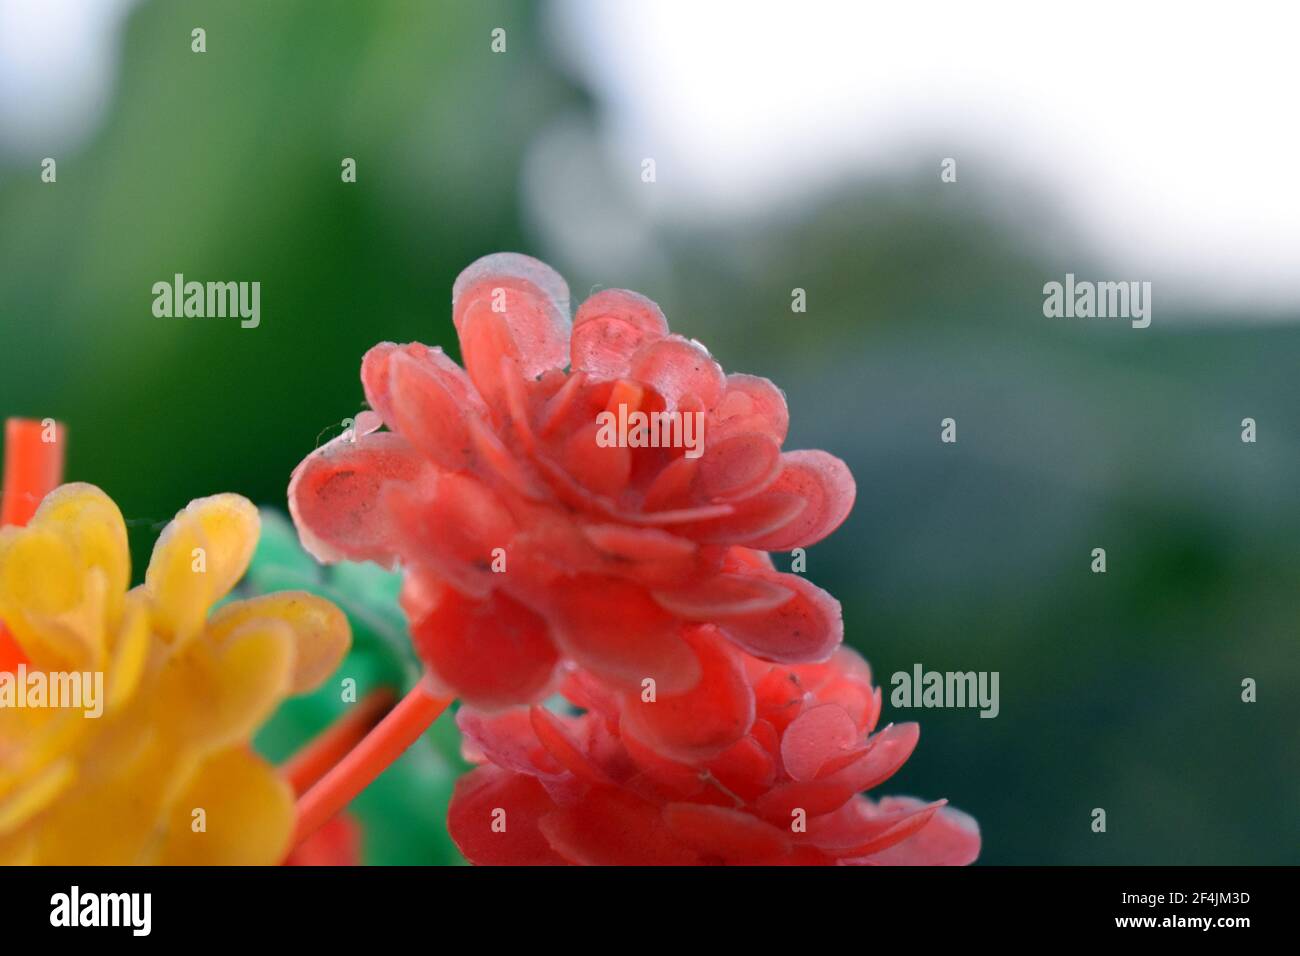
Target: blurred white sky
[1168,130]
[58,60]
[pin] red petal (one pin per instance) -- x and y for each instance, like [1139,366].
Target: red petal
[725,595]
[498,461]
[889,750]
[806,628]
[608,330]
[766,735]
[563,403]
[705,720]
[334,496]
[816,736]
[747,767]
[602,470]
[615,828]
[454,528]
[519,404]
[951,838]
[858,828]
[555,737]
[614,629]
[507,739]
[826,486]
[779,697]
[490,653]
[679,779]
[845,679]
[426,412]
[535,319]
[682,520]
[490,355]
[639,545]
[737,466]
[671,488]
[649,555]
[675,368]
[750,404]
[584,691]
[376,377]
[745,521]
[743,559]
[477,803]
[726,834]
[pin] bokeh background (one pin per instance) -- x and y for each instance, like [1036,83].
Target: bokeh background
[795,146]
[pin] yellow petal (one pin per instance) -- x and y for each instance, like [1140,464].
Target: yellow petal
[321,633]
[38,573]
[130,654]
[35,795]
[92,525]
[231,525]
[214,696]
[199,557]
[177,583]
[63,578]
[52,644]
[54,607]
[116,817]
[33,738]
[247,815]
[18,849]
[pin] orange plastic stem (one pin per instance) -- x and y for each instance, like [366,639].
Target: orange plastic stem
[313,761]
[389,740]
[33,467]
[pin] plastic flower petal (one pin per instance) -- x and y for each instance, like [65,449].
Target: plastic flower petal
[528,539]
[598,789]
[163,772]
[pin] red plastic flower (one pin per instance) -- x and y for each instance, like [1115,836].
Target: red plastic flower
[598,789]
[527,540]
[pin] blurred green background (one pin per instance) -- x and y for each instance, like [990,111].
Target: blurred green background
[1119,691]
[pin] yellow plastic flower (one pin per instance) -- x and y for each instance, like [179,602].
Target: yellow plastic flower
[166,773]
